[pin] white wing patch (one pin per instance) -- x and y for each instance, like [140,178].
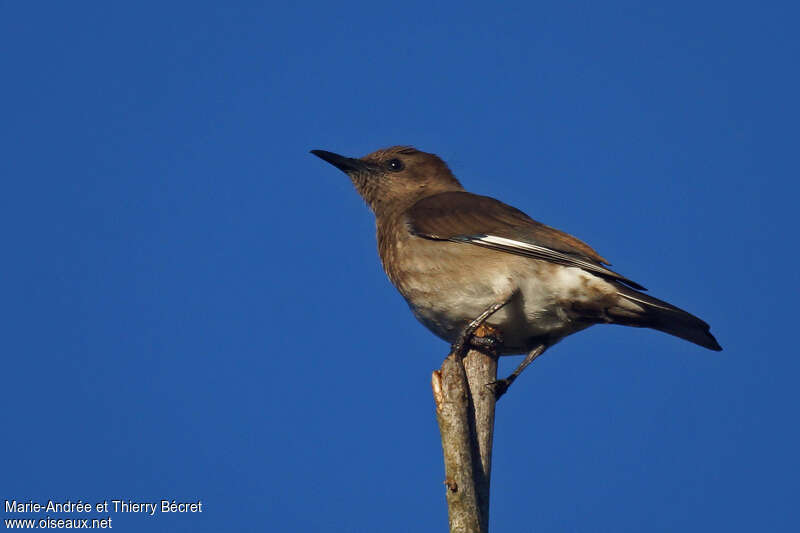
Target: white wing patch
[540,252]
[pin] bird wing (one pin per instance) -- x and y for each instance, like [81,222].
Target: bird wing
[469,218]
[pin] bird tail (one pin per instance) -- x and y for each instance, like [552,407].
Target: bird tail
[660,315]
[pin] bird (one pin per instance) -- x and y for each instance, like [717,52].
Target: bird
[462,261]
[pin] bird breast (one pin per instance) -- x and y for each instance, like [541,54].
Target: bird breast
[448,284]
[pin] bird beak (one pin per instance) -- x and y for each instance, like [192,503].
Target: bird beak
[345,164]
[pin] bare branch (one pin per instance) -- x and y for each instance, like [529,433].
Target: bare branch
[481,370]
[465,412]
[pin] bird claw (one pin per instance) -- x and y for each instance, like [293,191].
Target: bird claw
[487,340]
[489,344]
[499,387]
[458,348]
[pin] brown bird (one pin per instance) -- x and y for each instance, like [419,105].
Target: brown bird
[461,260]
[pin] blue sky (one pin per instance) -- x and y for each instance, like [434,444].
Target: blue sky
[194,307]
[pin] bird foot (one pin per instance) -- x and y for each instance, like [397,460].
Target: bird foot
[499,387]
[484,338]
[487,339]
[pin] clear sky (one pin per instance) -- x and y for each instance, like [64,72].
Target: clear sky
[193,307]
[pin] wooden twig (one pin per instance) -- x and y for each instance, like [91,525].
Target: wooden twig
[465,413]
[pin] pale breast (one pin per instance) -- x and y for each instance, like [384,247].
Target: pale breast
[448,284]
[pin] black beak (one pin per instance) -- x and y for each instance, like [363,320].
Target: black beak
[345,164]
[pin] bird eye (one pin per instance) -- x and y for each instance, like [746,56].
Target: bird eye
[395,165]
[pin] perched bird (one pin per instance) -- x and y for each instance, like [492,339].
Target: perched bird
[461,260]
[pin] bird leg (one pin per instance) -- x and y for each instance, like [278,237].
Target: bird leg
[460,346]
[501,386]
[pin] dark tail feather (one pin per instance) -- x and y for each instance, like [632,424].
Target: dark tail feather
[662,316]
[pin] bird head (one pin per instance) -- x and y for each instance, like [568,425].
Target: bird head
[395,177]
